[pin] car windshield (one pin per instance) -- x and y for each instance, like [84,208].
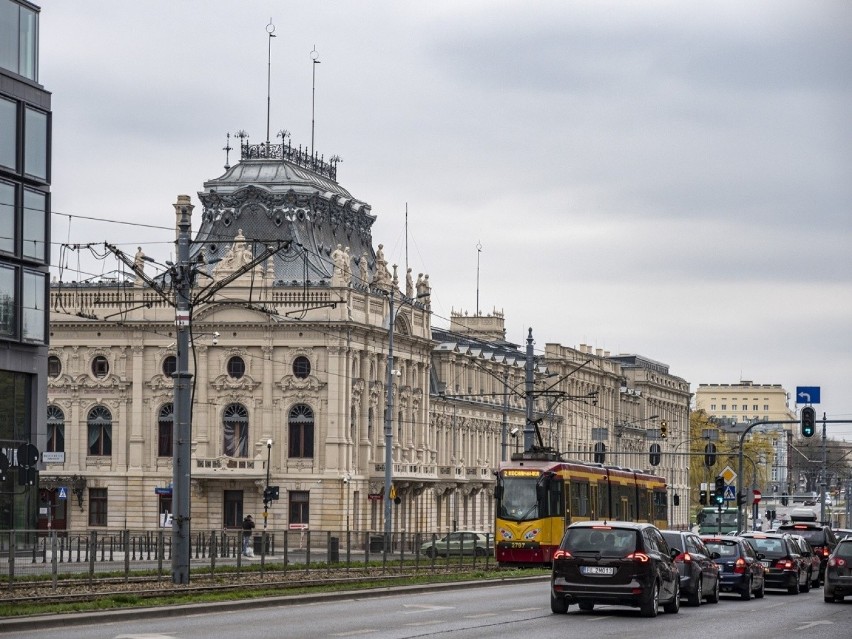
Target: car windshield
[617,542]
[769,547]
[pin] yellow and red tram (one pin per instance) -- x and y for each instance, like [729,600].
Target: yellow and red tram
[538,495]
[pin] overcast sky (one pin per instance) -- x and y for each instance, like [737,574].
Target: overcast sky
[664,178]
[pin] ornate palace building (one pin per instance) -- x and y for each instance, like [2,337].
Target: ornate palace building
[289,362]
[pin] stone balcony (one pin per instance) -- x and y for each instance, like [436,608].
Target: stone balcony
[235,467]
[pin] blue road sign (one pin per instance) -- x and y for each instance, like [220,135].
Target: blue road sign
[807,394]
[62,493]
[730,493]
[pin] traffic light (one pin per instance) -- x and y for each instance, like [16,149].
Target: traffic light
[719,493]
[270,493]
[702,497]
[664,429]
[783,499]
[808,421]
[710,454]
[654,456]
[600,453]
[740,499]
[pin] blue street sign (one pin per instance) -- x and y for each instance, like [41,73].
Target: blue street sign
[63,493]
[730,493]
[807,394]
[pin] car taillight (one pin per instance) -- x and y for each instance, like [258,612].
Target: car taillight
[784,564]
[825,551]
[740,566]
[685,557]
[641,557]
[561,554]
[838,562]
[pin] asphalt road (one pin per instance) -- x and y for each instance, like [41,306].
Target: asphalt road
[472,612]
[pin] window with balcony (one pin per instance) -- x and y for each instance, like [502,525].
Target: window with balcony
[100,432]
[235,426]
[301,432]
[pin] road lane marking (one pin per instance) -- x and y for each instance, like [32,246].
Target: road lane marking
[354,633]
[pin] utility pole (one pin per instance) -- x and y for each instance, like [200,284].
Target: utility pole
[529,370]
[182,398]
[824,479]
[389,419]
[504,441]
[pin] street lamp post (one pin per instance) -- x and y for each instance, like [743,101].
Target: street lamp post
[266,492]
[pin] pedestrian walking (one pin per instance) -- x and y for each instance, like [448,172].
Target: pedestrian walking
[248,527]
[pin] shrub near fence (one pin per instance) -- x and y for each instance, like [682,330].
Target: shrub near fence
[28,554]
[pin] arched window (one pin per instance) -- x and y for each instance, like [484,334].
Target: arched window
[301,430]
[100,431]
[55,429]
[235,425]
[165,430]
[301,367]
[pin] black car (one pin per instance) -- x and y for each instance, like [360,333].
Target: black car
[838,572]
[619,563]
[740,567]
[699,574]
[785,566]
[821,538]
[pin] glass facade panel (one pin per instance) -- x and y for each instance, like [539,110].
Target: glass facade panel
[35,225]
[35,143]
[35,309]
[28,50]
[9,38]
[8,132]
[8,318]
[7,217]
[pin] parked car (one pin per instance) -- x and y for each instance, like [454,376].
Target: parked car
[806,550]
[838,572]
[785,566]
[460,542]
[699,574]
[821,538]
[740,567]
[619,563]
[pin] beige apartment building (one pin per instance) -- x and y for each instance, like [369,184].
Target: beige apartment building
[289,363]
[747,402]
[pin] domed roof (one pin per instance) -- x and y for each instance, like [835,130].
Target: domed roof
[277,193]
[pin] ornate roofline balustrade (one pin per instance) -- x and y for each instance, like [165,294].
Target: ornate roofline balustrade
[298,156]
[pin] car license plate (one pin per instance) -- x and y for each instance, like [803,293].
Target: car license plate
[766,563]
[597,570]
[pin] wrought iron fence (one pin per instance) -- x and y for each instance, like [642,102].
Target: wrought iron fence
[39,554]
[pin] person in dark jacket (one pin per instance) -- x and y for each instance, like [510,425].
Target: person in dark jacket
[248,527]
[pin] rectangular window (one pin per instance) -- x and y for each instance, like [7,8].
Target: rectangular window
[724,407]
[233,512]
[8,302]
[19,39]
[55,438]
[100,440]
[733,407]
[28,47]
[97,506]
[765,407]
[165,509]
[8,134]
[7,215]
[713,407]
[299,506]
[35,309]
[35,143]
[301,442]
[35,225]
[754,407]
[165,447]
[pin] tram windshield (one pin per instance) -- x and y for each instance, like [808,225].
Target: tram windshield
[518,499]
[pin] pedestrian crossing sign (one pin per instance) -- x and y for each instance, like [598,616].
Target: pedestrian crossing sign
[63,493]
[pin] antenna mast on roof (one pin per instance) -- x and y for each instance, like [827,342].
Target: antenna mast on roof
[314,62]
[406,237]
[270,29]
[478,251]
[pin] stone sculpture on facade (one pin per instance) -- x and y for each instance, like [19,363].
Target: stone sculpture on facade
[383,276]
[364,269]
